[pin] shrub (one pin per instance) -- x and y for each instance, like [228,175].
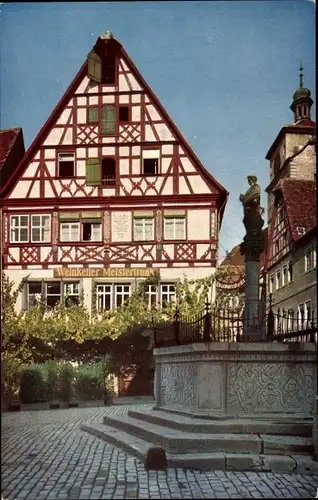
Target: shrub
[32,386]
[90,381]
[50,374]
[66,382]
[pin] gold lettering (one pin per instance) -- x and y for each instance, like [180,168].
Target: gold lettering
[106,271]
[93,272]
[112,272]
[120,272]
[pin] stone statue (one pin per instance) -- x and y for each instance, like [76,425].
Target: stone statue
[253,243]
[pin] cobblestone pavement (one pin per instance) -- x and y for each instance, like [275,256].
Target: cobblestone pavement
[45,455]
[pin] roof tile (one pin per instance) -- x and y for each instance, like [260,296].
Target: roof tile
[7,139]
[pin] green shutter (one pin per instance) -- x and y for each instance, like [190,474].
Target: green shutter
[92,115]
[108,120]
[93,177]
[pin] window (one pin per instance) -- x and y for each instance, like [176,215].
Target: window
[284,276]
[93,177]
[92,114]
[307,312]
[109,70]
[279,215]
[104,297]
[167,293]
[108,172]
[69,231]
[290,272]
[301,315]
[108,119]
[122,293]
[40,228]
[290,320]
[34,292]
[71,293]
[310,258]
[123,114]
[285,239]
[143,228]
[174,228]
[19,228]
[150,161]
[52,293]
[92,231]
[277,280]
[66,163]
[271,283]
[150,166]
[151,295]
[94,67]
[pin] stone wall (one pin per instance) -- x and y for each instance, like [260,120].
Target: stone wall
[228,380]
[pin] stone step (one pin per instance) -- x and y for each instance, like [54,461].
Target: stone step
[232,426]
[206,461]
[176,441]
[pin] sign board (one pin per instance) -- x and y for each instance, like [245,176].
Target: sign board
[115,272]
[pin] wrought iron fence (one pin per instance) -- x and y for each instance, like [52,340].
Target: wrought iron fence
[226,325]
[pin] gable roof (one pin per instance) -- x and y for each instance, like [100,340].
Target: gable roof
[299,198]
[7,140]
[40,138]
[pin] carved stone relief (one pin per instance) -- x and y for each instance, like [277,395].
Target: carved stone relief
[178,385]
[271,387]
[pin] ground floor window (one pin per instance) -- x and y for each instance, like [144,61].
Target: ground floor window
[109,296]
[164,293]
[52,292]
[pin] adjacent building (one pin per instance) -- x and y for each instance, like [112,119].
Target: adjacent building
[291,255]
[108,193]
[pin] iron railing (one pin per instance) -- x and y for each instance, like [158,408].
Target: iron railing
[226,325]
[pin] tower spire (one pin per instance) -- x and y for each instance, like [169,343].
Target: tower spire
[301,76]
[302,101]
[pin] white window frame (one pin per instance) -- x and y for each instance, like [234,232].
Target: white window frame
[172,221]
[299,308]
[69,224]
[65,156]
[284,276]
[18,227]
[151,292]
[121,293]
[278,281]
[312,251]
[36,297]
[71,289]
[306,309]
[93,233]
[44,229]
[271,283]
[289,274]
[143,221]
[171,294]
[104,290]
[290,319]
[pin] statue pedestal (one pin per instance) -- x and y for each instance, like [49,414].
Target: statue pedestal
[265,381]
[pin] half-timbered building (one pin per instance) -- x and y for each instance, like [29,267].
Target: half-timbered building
[108,193]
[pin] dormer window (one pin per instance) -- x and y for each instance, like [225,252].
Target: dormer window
[94,67]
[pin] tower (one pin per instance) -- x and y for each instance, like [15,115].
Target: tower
[293,152]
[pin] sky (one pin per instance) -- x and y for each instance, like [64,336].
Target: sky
[224,71]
